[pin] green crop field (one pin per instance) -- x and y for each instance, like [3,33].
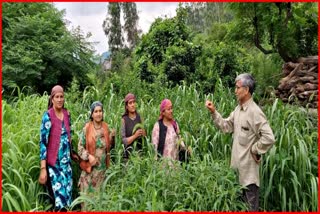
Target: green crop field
[289,171]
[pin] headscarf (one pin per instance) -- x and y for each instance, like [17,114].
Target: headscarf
[93,106]
[165,104]
[128,97]
[56,89]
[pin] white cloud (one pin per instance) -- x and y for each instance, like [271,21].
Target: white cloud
[148,12]
[90,15]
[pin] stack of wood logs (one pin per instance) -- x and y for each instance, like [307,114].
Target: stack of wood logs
[300,82]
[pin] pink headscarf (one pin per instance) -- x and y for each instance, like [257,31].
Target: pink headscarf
[128,97]
[165,104]
[56,89]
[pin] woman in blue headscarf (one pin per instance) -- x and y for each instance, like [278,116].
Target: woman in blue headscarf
[94,147]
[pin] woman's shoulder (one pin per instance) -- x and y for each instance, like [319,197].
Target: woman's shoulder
[46,120]
[45,115]
[177,124]
[87,125]
[105,124]
[67,111]
[50,111]
[156,124]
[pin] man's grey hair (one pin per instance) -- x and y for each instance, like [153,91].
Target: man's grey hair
[247,80]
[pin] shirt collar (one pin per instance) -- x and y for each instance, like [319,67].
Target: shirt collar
[245,105]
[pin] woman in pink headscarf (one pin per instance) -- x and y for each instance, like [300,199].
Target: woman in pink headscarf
[165,133]
[129,119]
[55,151]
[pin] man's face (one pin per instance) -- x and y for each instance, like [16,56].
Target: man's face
[241,92]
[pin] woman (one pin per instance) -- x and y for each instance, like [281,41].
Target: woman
[165,133]
[129,119]
[94,146]
[55,147]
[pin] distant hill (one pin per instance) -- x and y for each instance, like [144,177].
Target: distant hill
[100,59]
[105,55]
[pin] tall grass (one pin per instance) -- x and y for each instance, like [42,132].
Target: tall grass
[289,171]
[149,185]
[20,154]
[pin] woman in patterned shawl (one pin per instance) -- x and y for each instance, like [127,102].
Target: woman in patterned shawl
[94,146]
[55,156]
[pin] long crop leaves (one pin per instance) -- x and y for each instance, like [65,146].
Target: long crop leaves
[288,172]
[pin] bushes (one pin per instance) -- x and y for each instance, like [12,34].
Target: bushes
[266,69]
[166,51]
[220,60]
[39,51]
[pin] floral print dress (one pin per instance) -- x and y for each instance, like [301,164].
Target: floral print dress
[60,175]
[90,182]
[171,148]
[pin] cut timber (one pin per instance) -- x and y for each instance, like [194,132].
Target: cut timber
[300,82]
[308,60]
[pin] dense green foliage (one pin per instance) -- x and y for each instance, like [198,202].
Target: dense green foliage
[38,50]
[171,52]
[167,52]
[289,29]
[202,43]
[289,177]
[189,58]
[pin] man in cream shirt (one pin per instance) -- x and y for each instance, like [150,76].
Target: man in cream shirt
[252,137]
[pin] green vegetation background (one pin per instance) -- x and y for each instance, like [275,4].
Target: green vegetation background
[174,60]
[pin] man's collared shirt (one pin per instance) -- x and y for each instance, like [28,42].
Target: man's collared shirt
[250,128]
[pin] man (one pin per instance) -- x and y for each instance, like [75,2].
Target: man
[252,137]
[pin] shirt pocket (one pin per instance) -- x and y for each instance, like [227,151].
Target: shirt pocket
[244,135]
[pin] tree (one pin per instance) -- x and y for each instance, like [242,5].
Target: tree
[120,45]
[201,15]
[39,51]
[289,29]
[131,19]
[195,17]
[166,50]
[112,27]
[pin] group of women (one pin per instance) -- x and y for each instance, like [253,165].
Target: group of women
[94,145]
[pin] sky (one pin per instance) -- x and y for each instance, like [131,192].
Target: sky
[90,15]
